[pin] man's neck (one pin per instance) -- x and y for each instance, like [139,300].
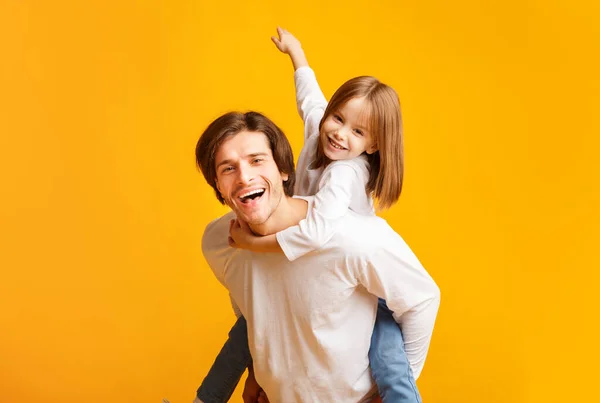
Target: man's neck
[289,213]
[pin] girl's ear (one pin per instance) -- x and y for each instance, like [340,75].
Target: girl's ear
[372,148]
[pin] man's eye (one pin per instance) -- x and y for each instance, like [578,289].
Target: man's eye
[227,169]
[257,160]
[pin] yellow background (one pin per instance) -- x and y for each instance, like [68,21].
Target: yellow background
[104,293]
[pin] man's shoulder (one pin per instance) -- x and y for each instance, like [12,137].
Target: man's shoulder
[216,232]
[215,246]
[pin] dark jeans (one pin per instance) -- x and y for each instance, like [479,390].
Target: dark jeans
[229,366]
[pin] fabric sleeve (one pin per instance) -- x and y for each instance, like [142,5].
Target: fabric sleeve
[330,205]
[236,309]
[216,251]
[310,100]
[410,293]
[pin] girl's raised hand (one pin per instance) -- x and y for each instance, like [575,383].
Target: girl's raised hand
[286,43]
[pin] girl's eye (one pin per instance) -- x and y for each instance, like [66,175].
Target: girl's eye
[358,131]
[337,117]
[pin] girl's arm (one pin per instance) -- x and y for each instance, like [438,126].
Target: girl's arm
[310,100]
[287,43]
[242,237]
[340,184]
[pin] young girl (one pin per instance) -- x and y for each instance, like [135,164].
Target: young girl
[353,149]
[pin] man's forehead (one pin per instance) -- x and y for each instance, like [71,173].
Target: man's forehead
[243,144]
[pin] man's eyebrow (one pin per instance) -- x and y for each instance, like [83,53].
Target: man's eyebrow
[224,162]
[227,162]
[261,154]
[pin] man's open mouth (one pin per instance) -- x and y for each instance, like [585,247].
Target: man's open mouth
[247,197]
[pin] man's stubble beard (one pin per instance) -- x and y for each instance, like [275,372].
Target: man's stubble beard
[272,211]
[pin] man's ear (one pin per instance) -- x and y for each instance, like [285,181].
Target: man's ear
[218,187]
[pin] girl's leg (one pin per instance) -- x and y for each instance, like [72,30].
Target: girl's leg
[229,366]
[389,364]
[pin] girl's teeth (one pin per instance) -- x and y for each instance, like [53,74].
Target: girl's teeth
[336,146]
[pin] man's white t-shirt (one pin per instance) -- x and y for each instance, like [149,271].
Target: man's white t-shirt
[310,320]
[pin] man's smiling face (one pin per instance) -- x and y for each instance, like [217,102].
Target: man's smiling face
[248,177]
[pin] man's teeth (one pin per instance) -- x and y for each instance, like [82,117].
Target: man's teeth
[251,193]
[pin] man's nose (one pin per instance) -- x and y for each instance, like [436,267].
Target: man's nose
[245,175]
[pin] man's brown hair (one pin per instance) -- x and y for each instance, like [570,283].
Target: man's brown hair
[233,123]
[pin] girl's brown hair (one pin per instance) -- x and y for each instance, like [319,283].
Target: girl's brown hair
[385,125]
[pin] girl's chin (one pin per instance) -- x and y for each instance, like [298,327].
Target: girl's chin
[332,155]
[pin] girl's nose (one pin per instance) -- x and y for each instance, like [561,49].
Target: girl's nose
[340,134]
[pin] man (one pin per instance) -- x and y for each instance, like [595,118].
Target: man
[309,321]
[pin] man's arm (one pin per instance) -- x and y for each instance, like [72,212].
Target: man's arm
[234,357]
[215,247]
[217,252]
[394,274]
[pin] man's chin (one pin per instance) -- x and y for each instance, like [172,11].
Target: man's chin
[255,221]
[251,218]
